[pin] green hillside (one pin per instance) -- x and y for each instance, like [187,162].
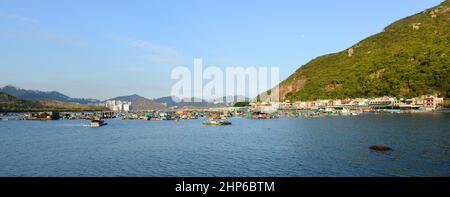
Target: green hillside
[411,57]
[9,103]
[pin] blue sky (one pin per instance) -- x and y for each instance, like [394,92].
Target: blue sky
[102,49]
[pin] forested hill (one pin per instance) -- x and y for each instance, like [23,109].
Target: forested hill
[408,58]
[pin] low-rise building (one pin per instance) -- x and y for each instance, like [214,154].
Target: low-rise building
[430,102]
[382,101]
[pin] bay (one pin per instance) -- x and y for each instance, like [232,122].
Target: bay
[328,146]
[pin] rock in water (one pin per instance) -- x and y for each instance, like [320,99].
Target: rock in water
[379,147]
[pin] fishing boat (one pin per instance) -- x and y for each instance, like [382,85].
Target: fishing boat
[216,122]
[96,122]
[8,118]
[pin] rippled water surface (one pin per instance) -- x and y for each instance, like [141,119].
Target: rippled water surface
[332,146]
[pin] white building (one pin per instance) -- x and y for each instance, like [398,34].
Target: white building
[126,107]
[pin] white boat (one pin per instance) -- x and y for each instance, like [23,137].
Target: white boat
[96,122]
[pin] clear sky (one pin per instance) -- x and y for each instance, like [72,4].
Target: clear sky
[107,48]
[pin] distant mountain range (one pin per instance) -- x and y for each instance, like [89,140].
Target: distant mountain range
[172,101]
[41,95]
[137,102]
[232,99]
[168,100]
[129,98]
[10,103]
[140,103]
[196,102]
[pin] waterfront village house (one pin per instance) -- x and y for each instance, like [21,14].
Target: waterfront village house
[360,102]
[308,104]
[265,107]
[382,101]
[286,104]
[411,101]
[346,102]
[252,106]
[330,103]
[336,102]
[269,109]
[257,106]
[299,105]
[430,102]
[321,103]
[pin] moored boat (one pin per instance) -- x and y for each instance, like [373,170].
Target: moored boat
[216,122]
[96,122]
